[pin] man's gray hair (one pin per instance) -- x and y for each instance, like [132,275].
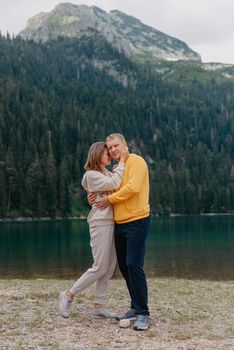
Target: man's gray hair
[119,136]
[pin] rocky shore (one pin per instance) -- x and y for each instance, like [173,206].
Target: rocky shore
[185,315]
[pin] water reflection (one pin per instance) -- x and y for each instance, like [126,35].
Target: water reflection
[193,247]
[44,248]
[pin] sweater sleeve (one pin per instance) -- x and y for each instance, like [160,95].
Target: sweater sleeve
[97,181]
[84,181]
[137,173]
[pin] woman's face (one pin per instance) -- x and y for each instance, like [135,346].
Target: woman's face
[105,159]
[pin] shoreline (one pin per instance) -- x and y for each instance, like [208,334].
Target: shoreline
[35,219]
[82,217]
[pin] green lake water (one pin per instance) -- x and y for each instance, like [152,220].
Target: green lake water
[193,247]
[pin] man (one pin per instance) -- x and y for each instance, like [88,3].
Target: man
[131,215]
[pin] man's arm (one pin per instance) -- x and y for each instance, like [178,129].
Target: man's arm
[137,173]
[91,197]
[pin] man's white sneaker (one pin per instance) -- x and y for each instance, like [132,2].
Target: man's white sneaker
[64,304]
[142,323]
[101,312]
[129,315]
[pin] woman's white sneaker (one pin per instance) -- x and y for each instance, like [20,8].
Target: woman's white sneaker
[64,304]
[101,312]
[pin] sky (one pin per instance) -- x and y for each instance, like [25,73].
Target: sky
[207,26]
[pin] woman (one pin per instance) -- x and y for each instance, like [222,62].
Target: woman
[101,226]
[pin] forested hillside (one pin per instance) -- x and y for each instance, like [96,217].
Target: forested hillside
[54,103]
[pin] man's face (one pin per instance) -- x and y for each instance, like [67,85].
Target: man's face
[115,147]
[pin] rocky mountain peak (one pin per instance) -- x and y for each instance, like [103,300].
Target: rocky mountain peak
[127,34]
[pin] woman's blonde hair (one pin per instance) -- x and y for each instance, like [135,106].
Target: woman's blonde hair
[95,154]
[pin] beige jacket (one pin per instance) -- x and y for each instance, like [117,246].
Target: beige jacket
[102,183]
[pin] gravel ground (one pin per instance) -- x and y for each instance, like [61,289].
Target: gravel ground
[185,315]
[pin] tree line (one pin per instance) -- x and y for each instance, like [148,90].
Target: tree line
[54,103]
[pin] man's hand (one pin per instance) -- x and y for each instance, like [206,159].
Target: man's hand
[102,203]
[91,198]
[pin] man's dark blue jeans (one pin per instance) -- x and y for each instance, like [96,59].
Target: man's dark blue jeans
[130,248]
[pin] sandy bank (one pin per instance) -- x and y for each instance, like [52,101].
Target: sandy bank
[185,315]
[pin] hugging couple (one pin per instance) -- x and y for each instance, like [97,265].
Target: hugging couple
[118,225]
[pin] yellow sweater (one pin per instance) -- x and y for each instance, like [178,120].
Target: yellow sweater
[131,200]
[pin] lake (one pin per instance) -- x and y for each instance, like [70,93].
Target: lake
[193,247]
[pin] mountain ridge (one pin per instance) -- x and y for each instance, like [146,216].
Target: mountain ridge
[126,33]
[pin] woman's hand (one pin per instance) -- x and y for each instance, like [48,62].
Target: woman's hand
[124,154]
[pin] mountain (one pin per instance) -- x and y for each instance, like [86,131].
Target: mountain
[125,33]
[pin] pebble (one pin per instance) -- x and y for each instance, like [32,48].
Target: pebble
[124,323]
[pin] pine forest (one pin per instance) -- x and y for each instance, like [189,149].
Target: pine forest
[54,103]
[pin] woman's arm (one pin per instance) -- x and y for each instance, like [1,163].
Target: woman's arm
[97,181]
